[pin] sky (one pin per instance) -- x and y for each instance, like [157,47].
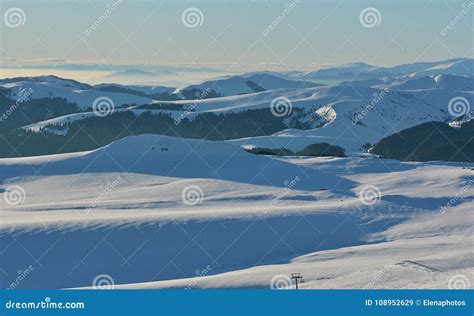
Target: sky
[231,36]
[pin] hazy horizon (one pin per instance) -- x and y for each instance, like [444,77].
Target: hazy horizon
[226,38]
[125,73]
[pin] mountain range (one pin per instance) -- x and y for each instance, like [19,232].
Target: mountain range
[271,110]
[240,181]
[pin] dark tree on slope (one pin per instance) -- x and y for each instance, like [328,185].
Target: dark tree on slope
[30,111]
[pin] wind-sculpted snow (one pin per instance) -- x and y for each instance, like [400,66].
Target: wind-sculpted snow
[177,157]
[122,210]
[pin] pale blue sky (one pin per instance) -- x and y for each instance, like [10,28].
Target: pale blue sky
[313,33]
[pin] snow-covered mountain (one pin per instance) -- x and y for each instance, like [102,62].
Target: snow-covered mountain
[140,208]
[182,211]
[449,82]
[354,118]
[353,115]
[340,72]
[459,66]
[50,79]
[84,95]
[81,94]
[362,71]
[245,84]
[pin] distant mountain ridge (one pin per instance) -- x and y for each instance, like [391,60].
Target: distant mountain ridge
[362,71]
[245,84]
[353,115]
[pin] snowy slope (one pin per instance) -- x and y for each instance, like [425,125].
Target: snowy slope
[380,266]
[119,210]
[343,71]
[451,82]
[353,115]
[358,117]
[347,115]
[53,80]
[463,67]
[362,71]
[237,85]
[83,96]
[158,155]
[430,250]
